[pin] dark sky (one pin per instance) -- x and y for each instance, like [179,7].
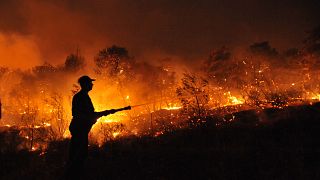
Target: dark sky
[34,31]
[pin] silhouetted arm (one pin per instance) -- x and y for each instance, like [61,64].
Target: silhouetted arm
[104,113]
[111,111]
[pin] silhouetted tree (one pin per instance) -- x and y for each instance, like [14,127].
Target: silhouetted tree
[263,49]
[312,42]
[193,94]
[3,70]
[58,117]
[156,82]
[112,62]
[291,53]
[44,70]
[74,63]
[222,70]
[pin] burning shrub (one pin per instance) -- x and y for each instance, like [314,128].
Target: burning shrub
[112,62]
[278,99]
[35,137]
[255,98]
[59,120]
[74,62]
[193,95]
[109,131]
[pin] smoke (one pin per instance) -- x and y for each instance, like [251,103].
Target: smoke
[171,36]
[184,29]
[19,51]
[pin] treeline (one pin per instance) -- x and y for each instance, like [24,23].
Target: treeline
[259,76]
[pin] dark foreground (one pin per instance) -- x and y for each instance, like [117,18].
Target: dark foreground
[284,146]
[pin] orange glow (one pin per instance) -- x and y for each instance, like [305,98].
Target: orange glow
[172,106]
[18,51]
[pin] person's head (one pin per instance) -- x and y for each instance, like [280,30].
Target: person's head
[85,83]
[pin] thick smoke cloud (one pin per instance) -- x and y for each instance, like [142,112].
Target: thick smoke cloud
[181,28]
[18,51]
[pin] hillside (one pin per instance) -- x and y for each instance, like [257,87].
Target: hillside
[281,144]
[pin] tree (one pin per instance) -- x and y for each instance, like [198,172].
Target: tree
[216,64]
[45,70]
[155,82]
[223,70]
[58,119]
[263,49]
[193,94]
[312,42]
[112,62]
[74,62]
[3,70]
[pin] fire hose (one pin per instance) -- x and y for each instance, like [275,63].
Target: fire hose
[159,100]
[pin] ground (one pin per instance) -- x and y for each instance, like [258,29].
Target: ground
[275,147]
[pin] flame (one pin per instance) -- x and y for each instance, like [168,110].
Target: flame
[172,106]
[158,133]
[67,134]
[233,100]
[46,124]
[41,115]
[316,97]
[118,117]
[115,134]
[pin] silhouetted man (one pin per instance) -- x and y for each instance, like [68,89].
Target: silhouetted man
[84,117]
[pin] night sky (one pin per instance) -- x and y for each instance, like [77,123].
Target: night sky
[35,31]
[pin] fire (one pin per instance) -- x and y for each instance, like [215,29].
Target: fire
[172,106]
[233,100]
[67,134]
[316,97]
[109,119]
[46,124]
[115,134]
[158,133]
[43,109]
[118,117]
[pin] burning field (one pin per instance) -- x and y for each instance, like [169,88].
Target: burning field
[228,96]
[37,102]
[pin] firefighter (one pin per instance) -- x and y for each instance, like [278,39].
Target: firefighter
[83,117]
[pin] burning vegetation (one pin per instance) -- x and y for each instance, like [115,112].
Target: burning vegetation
[36,102]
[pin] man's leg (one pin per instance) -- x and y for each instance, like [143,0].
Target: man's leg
[77,155]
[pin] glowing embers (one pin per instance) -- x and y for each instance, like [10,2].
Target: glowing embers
[172,106]
[118,117]
[115,134]
[315,97]
[233,100]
